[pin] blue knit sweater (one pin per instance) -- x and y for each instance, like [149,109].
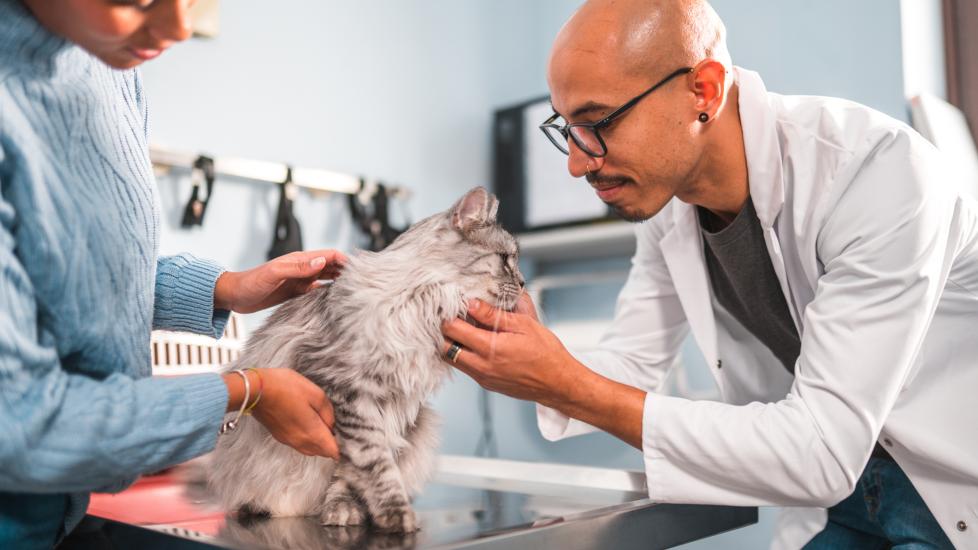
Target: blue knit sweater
[81,287]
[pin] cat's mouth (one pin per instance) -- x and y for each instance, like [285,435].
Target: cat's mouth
[508,298]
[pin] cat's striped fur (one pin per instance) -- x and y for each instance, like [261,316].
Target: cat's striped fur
[372,341]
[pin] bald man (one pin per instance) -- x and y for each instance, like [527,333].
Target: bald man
[818,252]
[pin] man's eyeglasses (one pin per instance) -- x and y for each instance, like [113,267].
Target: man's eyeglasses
[586,134]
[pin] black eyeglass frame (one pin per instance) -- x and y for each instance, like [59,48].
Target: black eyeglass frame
[565,130]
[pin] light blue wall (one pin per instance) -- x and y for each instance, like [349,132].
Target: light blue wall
[405,91]
[830,47]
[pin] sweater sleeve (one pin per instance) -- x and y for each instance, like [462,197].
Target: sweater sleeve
[185,296]
[65,432]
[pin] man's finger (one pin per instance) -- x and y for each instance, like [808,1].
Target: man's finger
[471,337]
[466,361]
[525,306]
[494,318]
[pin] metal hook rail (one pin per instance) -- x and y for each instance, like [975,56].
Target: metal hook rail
[271,172]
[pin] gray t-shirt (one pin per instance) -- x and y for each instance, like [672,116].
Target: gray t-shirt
[745,284]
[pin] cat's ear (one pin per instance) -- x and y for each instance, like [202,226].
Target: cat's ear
[476,209]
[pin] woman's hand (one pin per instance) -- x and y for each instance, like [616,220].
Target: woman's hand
[294,410]
[276,281]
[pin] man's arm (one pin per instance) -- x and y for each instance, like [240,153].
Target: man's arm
[886,246]
[603,403]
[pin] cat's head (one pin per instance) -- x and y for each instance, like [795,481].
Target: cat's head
[469,250]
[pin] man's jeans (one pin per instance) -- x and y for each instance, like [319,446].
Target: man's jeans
[885,511]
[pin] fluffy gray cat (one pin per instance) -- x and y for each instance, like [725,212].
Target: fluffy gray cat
[372,341]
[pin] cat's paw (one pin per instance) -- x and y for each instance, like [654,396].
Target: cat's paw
[396,520]
[343,511]
[349,536]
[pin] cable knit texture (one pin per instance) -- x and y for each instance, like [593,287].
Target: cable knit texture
[81,286]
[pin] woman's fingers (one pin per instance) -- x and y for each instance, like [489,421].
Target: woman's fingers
[329,446]
[332,256]
[297,413]
[326,413]
[322,441]
[320,429]
[328,256]
[312,263]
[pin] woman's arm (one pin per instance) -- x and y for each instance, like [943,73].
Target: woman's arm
[195,295]
[67,432]
[276,281]
[184,296]
[294,410]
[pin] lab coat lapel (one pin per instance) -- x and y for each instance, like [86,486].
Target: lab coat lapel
[764,171]
[682,250]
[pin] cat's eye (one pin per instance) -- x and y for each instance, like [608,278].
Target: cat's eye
[507,260]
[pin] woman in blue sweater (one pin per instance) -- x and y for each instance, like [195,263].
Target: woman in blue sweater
[82,286]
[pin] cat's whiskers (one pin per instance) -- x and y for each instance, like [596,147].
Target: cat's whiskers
[495,331]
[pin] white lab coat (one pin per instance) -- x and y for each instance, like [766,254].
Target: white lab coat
[877,255]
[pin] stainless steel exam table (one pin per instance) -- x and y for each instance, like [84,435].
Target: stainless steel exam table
[472,503]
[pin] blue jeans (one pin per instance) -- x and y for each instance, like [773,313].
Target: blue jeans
[885,511]
[29,521]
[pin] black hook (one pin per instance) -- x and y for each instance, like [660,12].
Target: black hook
[193,213]
[288,235]
[375,223]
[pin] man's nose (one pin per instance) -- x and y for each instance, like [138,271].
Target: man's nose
[579,162]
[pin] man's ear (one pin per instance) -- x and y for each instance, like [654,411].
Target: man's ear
[708,81]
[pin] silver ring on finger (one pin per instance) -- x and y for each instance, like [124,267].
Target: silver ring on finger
[453,351]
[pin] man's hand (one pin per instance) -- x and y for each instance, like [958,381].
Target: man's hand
[277,280]
[512,353]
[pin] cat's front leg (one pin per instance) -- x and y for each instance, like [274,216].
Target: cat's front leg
[342,505]
[416,459]
[371,472]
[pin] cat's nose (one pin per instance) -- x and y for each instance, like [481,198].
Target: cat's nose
[521,281]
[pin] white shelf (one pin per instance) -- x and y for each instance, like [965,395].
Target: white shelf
[598,240]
